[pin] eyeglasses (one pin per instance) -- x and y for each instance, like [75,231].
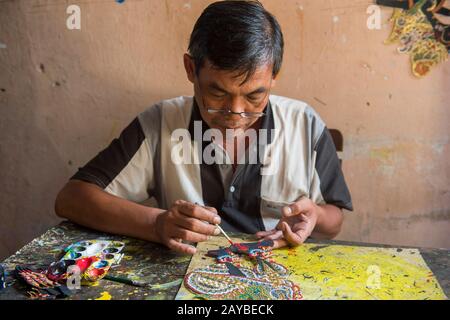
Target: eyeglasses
[227,111]
[243,114]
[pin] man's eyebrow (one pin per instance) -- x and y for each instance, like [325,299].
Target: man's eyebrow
[215,86]
[259,90]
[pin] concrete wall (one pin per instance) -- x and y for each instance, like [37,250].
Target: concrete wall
[65,94]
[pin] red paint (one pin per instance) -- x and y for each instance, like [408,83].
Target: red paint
[242,248]
[84,263]
[96,272]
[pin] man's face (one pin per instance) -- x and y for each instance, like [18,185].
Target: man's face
[222,90]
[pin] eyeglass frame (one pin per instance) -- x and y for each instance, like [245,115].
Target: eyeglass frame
[227,110]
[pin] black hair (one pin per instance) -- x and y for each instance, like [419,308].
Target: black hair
[237,36]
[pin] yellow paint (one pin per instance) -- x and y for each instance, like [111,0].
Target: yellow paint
[384,154]
[85,282]
[104,296]
[345,272]
[348,272]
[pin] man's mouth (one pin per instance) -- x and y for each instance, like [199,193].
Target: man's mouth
[232,125]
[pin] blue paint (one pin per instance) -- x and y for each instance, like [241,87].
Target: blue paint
[120,1]
[101,264]
[74,255]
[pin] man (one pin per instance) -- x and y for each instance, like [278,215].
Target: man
[294,189]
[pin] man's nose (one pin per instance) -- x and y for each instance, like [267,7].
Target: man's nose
[236,104]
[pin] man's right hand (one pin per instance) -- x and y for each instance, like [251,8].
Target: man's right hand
[186,221]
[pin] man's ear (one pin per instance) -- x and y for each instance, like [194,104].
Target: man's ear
[189,66]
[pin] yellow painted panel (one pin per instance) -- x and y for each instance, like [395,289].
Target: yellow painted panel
[344,272]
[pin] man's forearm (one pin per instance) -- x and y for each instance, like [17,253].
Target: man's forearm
[329,222]
[88,205]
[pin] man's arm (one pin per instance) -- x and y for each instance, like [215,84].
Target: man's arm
[329,222]
[88,205]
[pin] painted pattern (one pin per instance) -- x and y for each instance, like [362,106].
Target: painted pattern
[228,279]
[424,43]
[215,282]
[321,272]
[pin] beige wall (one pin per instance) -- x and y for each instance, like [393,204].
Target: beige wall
[67,94]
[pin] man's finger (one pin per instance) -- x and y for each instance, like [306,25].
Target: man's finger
[287,211]
[305,217]
[275,236]
[262,234]
[181,247]
[290,236]
[300,226]
[291,210]
[196,225]
[300,206]
[196,211]
[212,209]
[189,235]
[280,243]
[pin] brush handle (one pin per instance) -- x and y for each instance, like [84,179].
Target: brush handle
[136,283]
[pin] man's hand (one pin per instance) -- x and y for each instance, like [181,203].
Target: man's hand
[186,221]
[296,225]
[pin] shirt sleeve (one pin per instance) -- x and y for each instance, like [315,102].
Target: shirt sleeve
[330,179]
[124,168]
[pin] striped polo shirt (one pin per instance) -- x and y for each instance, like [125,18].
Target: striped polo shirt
[137,165]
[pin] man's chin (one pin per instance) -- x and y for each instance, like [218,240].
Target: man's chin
[233,130]
[224,127]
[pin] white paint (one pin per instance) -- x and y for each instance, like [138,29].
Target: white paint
[438,147]
[335,19]
[368,68]
[187,5]
[2,45]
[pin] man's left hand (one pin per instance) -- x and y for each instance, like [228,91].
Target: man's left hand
[296,225]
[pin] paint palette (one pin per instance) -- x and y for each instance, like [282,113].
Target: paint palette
[94,258]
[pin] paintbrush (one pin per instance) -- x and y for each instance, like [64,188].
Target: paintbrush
[221,230]
[226,236]
[136,283]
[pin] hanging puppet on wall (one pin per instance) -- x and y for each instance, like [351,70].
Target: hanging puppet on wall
[420,32]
